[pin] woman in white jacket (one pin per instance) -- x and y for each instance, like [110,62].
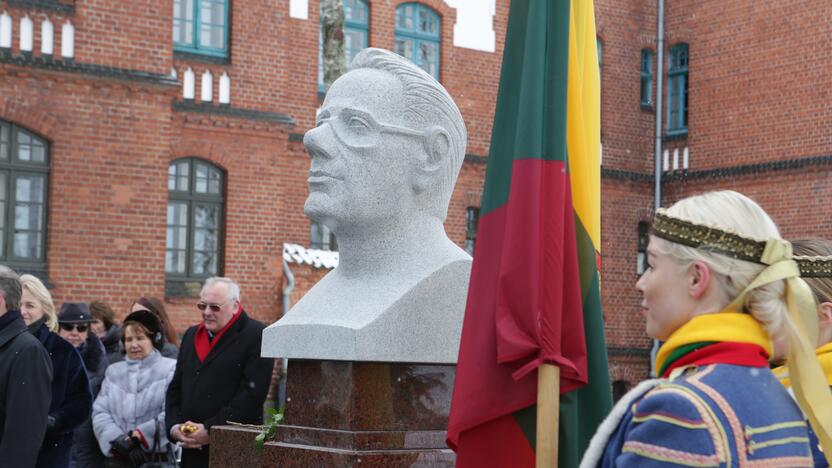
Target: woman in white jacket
[131,405]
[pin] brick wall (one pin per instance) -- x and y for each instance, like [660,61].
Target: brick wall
[115,119]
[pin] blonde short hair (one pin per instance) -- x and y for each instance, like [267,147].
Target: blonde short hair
[38,290]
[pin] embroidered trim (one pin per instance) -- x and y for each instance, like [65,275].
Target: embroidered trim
[595,451]
[749,430]
[665,454]
[814,267]
[707,238]
[752,446]
[783,462]
[718,436]
[723,405]
[669,419]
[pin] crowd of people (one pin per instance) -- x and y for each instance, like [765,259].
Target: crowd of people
[745,368]
[81,390]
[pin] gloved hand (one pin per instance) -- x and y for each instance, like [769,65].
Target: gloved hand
[123,445]
[137,456]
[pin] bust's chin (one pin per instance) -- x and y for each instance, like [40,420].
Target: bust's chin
[319,207]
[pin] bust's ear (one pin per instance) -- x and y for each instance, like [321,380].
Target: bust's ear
[437,151]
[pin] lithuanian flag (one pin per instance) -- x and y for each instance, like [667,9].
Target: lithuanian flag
[534,294]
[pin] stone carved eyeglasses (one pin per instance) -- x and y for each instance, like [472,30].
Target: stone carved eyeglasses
[358,129]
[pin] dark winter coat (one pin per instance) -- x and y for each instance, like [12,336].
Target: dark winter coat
[85,451]
[25,392]
[113,345]
[71,398]
[230,385]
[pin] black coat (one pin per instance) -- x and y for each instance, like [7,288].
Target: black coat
[71,398]
[85,450]
[25,392]
[113,345]
[231,385]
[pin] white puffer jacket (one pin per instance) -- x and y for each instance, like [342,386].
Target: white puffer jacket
[133,397]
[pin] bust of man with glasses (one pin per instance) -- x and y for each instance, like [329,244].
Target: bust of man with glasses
[386,152]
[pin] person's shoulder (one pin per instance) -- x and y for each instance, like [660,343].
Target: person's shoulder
[115,369]
[26,342]
[251,325]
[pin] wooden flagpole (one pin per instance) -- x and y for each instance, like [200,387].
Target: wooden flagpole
[548,402]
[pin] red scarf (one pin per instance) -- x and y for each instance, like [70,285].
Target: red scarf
[739,354]
[203,345]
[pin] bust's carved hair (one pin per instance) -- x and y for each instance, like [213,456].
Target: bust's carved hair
[426,102]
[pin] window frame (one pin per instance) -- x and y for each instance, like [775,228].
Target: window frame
[197,26]
[327,240]
[677,90]
[349,25]
[14,168]
[419,37]
[472,221]
[646,90]
[192,198]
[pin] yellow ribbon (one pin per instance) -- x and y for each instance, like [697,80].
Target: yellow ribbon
[824,357]
[723,327]
[807,378]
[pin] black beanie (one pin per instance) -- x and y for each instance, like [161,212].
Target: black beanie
[149,321]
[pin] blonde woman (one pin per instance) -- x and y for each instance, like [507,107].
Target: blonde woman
[723,293]
[814,257]
[71,397]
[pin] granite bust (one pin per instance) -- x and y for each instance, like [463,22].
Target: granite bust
[385,155]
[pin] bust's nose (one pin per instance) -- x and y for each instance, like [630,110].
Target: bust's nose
[319,141]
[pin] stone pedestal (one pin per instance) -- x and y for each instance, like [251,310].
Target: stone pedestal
[344,414]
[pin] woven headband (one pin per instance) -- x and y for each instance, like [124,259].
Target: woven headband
[708,238]
[814,267]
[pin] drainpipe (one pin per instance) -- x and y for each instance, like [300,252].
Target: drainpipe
[657,191]
[287,293]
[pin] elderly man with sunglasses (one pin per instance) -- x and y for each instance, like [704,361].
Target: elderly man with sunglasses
[219,375]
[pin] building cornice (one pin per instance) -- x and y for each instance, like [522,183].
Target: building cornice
[88,69]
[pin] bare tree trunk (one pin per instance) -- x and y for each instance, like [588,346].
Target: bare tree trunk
[332,23]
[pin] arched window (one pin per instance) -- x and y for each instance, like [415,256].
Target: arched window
[356,28]
[201,26]
[418,33]
[677,91]
[24,174]
[196,195]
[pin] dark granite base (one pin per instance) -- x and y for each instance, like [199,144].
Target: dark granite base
[344,414]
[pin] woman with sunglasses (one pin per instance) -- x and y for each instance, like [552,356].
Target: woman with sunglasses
[724,295]
[157,308]
[75,326]
[71,398]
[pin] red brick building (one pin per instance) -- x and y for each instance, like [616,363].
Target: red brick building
[750,111]
[147,144]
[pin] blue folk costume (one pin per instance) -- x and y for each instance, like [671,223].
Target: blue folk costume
[717,403]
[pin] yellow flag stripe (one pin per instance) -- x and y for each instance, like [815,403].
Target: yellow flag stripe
[583,126]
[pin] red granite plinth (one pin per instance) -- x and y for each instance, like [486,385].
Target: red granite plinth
[344,414]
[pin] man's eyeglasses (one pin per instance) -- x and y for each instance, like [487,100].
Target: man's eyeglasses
[81,327]
[213,307]
[358,129]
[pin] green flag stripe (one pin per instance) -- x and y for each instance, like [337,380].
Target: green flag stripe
[530,119]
